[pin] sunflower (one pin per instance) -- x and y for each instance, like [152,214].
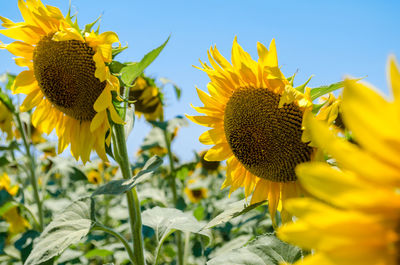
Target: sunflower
[67,81]
[256,119]
[147,98]
[207,166]
[355,217]
[6,118]
[195,192]
[331,111]
[12,215]
[94,177]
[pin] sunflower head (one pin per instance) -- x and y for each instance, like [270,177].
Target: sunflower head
[352,215]
[195,192]
[147,98]
[6,119]
[256,120]
[209,166]
[94,177]
[331,111]
[67,81]
[17,222]
[5,184]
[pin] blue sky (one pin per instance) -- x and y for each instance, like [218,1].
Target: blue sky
[328,39]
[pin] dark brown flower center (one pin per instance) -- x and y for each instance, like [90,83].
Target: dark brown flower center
[264,138]
[197,193]
[208,165]
[65,71]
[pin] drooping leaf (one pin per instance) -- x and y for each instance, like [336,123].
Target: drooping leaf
[131,72]
[177,89]
[67,228]
[264,250]
[234,210]
[120,186]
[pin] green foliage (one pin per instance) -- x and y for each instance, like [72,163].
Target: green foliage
[131,72]
[68,227]
[264,250]
[234,210]
[322,90]
[117,187]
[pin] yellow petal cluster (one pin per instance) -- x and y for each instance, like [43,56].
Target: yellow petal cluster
[355,216]
[46,24]
[257,94]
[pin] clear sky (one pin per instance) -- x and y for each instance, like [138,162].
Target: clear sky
[328,39]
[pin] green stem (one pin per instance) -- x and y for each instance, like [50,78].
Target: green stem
[30,213]
[117,235]
[32,171]
[174,193]
[135,217]
[186,248]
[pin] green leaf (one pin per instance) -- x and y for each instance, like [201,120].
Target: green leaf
[98,253]
[115,67]
[8,79]
[3,161]
[13,145]
[67,228]
[264,250]
[118,50]
[25,243]
[165,221]
[131,72]
[234,210]
[120,186]
[5,99]
[177,89]
[322,90]
[7,206]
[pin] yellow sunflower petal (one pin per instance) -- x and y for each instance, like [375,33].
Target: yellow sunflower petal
[394,79]
[370,117]
[218,152]
[21,49]
[212,136]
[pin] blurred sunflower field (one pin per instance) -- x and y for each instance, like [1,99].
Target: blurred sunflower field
[95,168]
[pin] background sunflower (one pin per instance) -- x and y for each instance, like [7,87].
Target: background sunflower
[67,83]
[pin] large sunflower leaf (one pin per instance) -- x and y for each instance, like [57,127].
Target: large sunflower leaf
[120,186]
[131,72]
[264,250]
[165,221]
[67,228]
[234,210]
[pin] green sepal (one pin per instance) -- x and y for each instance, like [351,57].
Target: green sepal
[303,86]
[117,50]
[88,27]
